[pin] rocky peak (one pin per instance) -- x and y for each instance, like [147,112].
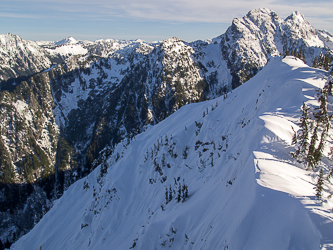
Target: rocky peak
[252,40]
[19,57]
[298,28]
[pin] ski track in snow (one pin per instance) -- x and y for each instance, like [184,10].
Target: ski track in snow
[245,191]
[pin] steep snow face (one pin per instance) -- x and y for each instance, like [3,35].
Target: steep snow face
[244,191]
[19,57]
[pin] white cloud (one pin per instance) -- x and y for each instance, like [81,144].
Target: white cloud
[172,10]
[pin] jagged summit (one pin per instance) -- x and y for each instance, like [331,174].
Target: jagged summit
[296,16]
[252,40]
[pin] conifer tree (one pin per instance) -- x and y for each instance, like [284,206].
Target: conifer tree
[286,53]
[315,63]
[326,60]
[294,138]
[179,193]
[303,56]
[319,150]
[166,196]
[170,194]
[312,147]
[322,114]
[324,121]
[320,185]
[300,140]
[304,137]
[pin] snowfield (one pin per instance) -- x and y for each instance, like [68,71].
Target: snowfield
[244,189]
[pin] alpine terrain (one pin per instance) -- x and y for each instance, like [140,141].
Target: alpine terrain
[222,143]
[216,174]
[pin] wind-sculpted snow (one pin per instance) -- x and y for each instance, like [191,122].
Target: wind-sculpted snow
[232,153]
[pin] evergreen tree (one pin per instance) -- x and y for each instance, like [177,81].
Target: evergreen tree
[170,194]
[326,61]
[324,122]
[166,196]
[286,53]
[300,139]
[186,191]
[179,193]
[294,138]
[312,147]
[303,56]
[319,150]
[322,115]
[103,170]
[304,137]
[319,185]
[315,63]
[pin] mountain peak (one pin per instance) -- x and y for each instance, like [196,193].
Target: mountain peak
[296,17]
[260,11]
[67,40]
[6,38]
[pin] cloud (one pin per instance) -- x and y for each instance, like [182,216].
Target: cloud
[209,11]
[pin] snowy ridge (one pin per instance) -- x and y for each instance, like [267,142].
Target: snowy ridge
[19,57]
[233,154]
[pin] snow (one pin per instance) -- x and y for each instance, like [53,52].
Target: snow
[76,91]
[17,53]
[68,40]
[300,28]
[23,111]
[326,37]
[75,49]
[252,197]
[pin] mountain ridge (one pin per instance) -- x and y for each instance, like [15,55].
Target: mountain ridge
[227,168]
[99,94]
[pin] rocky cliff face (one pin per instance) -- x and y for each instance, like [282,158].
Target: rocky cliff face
[251,41]
[19,57]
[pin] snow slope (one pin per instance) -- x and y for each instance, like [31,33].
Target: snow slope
[233,154]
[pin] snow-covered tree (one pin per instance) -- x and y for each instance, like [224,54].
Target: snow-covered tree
[300,139]
[319,185]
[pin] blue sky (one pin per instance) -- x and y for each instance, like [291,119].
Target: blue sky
[149,20]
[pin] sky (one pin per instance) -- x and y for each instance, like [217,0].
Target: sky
[149,20]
